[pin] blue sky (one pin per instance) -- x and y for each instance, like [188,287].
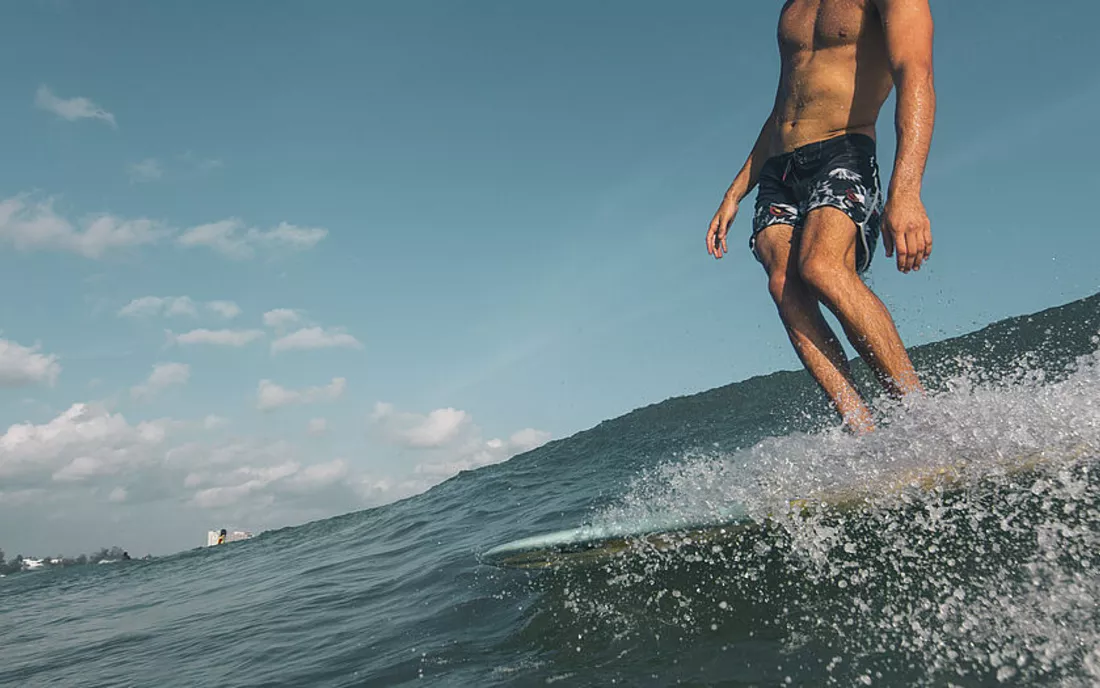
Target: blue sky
[472,227]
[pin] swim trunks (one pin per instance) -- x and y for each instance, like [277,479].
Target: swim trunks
[840,172]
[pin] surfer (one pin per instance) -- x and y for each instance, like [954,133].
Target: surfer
[819,209]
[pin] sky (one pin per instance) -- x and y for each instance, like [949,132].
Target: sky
[267,262]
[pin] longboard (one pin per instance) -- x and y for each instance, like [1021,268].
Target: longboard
[593,544]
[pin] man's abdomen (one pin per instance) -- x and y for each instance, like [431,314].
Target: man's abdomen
[825,96]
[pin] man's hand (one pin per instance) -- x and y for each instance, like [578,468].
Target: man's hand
[719,226]
[907,229]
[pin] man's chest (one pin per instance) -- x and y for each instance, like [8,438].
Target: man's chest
[817,24]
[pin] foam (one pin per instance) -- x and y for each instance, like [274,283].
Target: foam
[999,582]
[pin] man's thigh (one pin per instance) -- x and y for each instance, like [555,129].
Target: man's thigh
[775,246]
[828,238]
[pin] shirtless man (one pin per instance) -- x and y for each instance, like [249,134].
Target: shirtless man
[819,209]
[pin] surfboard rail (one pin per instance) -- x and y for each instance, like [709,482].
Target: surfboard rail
[598,543]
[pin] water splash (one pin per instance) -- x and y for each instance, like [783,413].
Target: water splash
[993,576]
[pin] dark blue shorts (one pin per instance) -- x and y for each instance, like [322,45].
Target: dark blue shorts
[840,172]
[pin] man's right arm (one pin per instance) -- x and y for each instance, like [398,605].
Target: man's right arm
[742,184]
[745,180]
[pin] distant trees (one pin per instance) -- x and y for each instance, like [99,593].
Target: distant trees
[14,565]
[114,553]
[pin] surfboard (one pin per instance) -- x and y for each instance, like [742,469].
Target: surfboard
[596,543]
[593,543]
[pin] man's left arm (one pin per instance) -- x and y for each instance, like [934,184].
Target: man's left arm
[907,25]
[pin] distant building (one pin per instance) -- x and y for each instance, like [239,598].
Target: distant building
[230,536]
[29,564]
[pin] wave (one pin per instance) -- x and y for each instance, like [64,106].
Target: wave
[996,581]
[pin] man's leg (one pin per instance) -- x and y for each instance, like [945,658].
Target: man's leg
[813,339]
[827,266]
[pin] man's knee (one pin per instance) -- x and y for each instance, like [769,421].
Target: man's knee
[827,260]
[777,285]
[824,274]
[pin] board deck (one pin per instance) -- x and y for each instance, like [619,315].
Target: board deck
[593,544]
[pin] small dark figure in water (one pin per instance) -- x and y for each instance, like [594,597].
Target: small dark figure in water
[819,209]
[221,537]
[126,556]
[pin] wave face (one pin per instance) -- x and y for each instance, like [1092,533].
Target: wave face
[997,582]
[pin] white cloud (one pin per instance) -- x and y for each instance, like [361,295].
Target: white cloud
[220,236]
[71,109]
[217,337]
[82,442]
[315,338]
[226,309]
[117,495]
[147,306]
[529,438]
[271,396]
[318,426]
[478,454]
[281,317]
[439,428]
[250,480]
[287,479]
[252,474]
[451,438]
[163,375]
[33,225]
[21,365]
[231,238]
[322,473]
[147,170]
[292,236]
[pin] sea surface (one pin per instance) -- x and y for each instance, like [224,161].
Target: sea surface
[997,583]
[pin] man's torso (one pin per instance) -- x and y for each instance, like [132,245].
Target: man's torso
[835,72]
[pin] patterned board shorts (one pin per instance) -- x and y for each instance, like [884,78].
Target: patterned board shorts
[840,172]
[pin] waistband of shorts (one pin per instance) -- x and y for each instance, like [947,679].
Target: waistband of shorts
[815,150]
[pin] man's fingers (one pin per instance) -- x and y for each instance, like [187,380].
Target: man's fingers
[911,251]
[716,235]
[907,232]
[914,243]
[902,250]
[916,257]
[719,227]
[921,246]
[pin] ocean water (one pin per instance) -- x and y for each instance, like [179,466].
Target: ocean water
[996,584]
